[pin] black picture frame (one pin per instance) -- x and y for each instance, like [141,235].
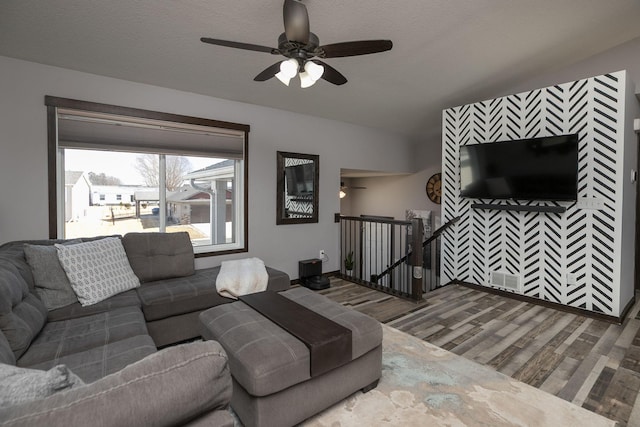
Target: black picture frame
[297,207]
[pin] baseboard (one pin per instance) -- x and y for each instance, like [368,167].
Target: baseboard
[550,304]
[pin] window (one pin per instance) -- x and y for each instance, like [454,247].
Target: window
[147,171]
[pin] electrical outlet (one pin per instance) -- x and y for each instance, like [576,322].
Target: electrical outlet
[590,203]
[322,254]
[572,280]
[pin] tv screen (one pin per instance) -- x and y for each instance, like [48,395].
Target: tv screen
[300,179]
[527,169]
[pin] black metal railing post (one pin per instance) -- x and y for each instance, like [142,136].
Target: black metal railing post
[417,232]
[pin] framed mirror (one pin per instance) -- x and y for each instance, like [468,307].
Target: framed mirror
[298,178]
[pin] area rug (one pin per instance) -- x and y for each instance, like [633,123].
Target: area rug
[424,385]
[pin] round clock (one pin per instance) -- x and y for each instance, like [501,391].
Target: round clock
[434,188]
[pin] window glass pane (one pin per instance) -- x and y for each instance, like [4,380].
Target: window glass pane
[204,201]
[111,192]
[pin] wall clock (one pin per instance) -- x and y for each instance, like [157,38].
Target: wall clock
[434,188]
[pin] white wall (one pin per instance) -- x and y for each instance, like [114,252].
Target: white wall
[23,156]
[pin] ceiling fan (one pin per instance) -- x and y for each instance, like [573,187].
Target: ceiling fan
[302,48]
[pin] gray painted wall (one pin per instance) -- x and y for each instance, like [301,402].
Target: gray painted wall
[23,156]
[393,195]
[623,57]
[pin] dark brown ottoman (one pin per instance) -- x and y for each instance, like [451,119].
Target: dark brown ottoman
[272,383]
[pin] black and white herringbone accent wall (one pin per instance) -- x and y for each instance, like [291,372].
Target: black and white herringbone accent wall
[540,249]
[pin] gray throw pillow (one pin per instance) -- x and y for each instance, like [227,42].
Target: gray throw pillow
[21,385]
[52,285]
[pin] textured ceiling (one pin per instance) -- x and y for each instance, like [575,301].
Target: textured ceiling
[446,52]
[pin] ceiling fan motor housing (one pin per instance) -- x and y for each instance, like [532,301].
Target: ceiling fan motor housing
[296,50]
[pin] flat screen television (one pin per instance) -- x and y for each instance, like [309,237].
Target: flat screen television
[300,179]
[527,169]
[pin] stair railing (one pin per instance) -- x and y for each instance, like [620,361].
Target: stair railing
[397,248]
[416,258]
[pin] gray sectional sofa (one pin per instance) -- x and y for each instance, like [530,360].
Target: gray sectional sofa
[112,346]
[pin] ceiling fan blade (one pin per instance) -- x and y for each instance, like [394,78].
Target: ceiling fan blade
[296,21]
[330,74]
[238,45]
[269,72]
[363,47]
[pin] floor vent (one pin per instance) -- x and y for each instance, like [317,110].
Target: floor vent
[508,281]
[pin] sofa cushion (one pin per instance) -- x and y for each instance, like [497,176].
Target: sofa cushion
[97,269]
[22,314]
[125,299]
[93,364]
[171,297]
[6,354]
[20,385]
[157,256]
[171,387]
[220,418]
[51,282]
[58,339]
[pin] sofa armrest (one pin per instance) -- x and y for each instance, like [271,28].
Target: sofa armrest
[171,387]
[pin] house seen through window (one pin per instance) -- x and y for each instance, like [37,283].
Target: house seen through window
[118,175]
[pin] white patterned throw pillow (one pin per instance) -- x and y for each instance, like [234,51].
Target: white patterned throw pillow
[97,269]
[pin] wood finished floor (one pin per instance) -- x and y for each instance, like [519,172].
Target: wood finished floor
[592,363]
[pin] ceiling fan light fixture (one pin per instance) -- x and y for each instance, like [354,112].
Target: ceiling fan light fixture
[314,70]
[283,78]
[288,70]
[306,80]
[311,74]
[289,67]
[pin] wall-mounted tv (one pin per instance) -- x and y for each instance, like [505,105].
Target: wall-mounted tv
[527,169]
[300,179]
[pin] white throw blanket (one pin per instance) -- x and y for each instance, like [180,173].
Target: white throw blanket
[241,277]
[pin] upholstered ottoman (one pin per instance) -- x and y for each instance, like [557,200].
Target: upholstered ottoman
[271,369]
